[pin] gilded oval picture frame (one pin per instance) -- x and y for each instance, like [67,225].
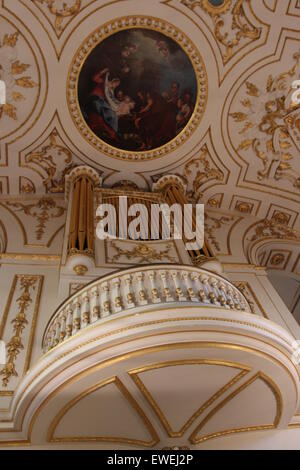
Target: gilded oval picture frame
[137,88]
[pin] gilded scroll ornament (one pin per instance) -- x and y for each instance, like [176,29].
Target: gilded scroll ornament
[47,160]
[61,10]
[43,210]
[231,26]
[271,229]
[212,224]
[143,253]
[268,128]
[203,170]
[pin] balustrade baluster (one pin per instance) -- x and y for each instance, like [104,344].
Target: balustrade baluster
[154,288]
[76,316]
[178,287]
[85,310]
[117,301]
[69,326]
[141,289]
[95,305]
[166,287]
[105,300]
[129,295]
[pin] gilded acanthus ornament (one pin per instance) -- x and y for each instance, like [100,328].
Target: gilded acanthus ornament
[44,210]
[268,129]
[15,345]
[142,252]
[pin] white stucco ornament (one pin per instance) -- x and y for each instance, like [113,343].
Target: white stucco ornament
[2,352]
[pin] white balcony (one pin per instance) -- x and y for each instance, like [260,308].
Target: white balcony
[137,290]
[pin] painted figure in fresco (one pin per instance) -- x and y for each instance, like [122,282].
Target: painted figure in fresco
[104,107]
[137,90]
[185,110]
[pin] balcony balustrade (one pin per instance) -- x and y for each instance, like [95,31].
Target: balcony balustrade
[137,290]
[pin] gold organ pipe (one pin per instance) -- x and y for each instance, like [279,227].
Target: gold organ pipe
[81,234]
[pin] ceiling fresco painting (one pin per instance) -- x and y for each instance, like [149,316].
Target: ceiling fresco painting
[137,90]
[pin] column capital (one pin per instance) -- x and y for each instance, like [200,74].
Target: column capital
[82,170]
[169,180]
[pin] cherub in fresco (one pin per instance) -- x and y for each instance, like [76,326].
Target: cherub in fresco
[126,52]
[163,48]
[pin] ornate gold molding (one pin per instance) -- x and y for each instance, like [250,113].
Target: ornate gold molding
[29,257]
[203,170]
[61,11]
[270,134]
[142,252]
[134,374]
[195,439]
[212,224]
[251,298]
[138,353]
[269,228]
[232,17]
[133,405]
[28,285]
[45,209]
[46,161]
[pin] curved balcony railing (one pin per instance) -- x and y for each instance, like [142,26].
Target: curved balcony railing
[136,289]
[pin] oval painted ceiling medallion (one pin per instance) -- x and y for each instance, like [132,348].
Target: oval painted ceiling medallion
[137,88]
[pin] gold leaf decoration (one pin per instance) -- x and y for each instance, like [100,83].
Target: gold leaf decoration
[17,67]
[142,253]
[245,144]
[43,210]
[10,111]
[212,224]
[61,10]
[25,82]
[239,117]
[252,89]
[12,71]
[230,24]
[47,158]
[267,126]
[15,344]
[203,170]
[17,96]
[10,39]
